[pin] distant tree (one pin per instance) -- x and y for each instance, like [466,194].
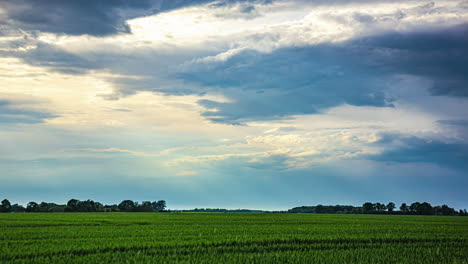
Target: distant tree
[325,209]
[32,207]
[424,209]
[414,207]
[391,206]
[367,208]
[5,206]
[145,206]
[111,208]
[55,208]
[17,208]
[437,210]
[159,205]
[446,210]
[72,205]
[380,207]
[127,205]
[162,205]
[98,207]
[87,206]
[43,207]
[319,209]
[404,208]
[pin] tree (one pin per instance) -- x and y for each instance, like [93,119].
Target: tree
[391,206]
[404,208]
[319,209]
[367,208]
[380,207]
[159,205]
[72,205]
[414,207]
[87,206]
[98,207]
[6,206]
[424,209]
[145,206]
[32,207]
[17,208]
[44,207]
[446,210]
[127,205]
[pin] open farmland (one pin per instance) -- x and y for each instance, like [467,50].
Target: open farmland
[231,238]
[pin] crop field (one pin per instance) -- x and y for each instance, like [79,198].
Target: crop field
[231,238]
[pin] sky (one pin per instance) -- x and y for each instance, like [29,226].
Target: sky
[262,104]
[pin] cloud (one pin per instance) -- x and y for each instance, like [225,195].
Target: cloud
[456,122]
[98,18]
[399,148]
[276,74]
[112,150]
[439,55]
[287,82]
[459,127]
[57,59]
[16,112]
[309,79]
[281,151]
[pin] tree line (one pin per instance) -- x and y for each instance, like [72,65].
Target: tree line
[415,208]
[327,209]
[219,210]
[75,205]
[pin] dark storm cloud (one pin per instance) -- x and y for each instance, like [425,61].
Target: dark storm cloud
[439,55]
[304,80]
[405,149]
[287,82]
[11,114]
[74,17]
[91,17]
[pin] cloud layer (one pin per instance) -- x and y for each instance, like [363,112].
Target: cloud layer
[265,97]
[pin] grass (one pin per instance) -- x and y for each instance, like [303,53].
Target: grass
[231,238]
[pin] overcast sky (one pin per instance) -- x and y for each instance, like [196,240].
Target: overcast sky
[264,104]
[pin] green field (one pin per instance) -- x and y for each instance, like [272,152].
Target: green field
[231,238]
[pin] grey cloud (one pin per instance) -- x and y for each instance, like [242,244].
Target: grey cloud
[457,122]
[10,113]
[90,17]
[439,55]
[46,55]
[93,17]
[406,149]
[458,127]
[305,80]
[38,53]
[288,81]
